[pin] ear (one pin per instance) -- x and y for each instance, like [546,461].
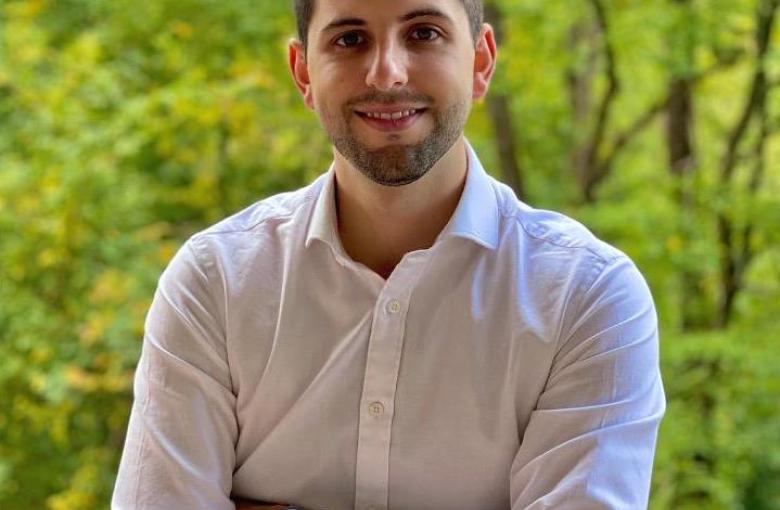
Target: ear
[300,71]
[484,61]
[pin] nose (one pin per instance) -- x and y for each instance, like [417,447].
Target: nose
[388,68]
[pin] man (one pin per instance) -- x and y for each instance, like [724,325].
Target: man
[403,333]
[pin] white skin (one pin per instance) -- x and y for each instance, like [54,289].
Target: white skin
[395,190]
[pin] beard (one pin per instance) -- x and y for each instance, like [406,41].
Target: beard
[397,165]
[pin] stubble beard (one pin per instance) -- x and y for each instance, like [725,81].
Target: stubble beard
[398,165]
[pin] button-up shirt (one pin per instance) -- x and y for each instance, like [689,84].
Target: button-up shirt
[513,364]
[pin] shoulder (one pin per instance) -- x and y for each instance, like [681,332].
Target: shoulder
[565,271]
[273,209]
[559,255]
[550,235]
[551,230]
[266,227]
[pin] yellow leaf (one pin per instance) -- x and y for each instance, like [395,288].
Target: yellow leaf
[28,9]
[41,355]
[96,327]
[674,244]
[153,232]
[166,251]
[49,257]
[87,48]
[103,360]
[77,378]
[117,383]
[111,286]
[181,29]
[37,382]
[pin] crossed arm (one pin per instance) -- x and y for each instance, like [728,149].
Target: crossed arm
[248,504]
[589,443]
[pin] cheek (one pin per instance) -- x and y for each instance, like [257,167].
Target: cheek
[333,88]
[329,107]
[334,74]
[324,101]
[444,77]
[446,95]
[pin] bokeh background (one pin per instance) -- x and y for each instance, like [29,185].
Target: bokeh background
[128,125]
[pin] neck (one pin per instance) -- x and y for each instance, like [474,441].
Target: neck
[379,224]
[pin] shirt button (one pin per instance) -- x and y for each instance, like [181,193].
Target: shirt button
[376,409]
[393,306]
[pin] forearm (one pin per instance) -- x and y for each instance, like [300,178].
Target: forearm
[249,504]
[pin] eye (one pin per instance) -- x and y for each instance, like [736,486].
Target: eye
[425,34]
[350,39]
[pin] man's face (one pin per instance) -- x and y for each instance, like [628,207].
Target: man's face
[392,82]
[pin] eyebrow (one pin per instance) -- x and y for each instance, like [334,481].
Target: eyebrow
[418,13]
[426,12]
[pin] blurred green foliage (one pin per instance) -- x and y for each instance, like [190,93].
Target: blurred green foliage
[126,126]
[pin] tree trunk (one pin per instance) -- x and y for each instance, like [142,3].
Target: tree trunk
[579,80]
[592,118]
[500,111]
[734,261]
[694,305]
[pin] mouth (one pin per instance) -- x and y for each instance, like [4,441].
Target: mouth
[392,120]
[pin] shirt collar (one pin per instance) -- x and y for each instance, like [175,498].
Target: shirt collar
[475,218]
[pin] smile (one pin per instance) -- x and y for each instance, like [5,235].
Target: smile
[392,121]
[389,116]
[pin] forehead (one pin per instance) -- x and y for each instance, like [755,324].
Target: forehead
[384,12]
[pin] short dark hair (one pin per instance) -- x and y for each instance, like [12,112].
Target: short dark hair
[304,10]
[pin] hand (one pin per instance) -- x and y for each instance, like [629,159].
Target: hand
[249,504]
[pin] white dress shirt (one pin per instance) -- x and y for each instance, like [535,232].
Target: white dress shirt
[514,364]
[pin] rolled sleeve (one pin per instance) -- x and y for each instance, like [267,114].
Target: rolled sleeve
[590,441]
[179,449]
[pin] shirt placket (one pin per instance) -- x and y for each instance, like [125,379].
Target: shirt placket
[379,387]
